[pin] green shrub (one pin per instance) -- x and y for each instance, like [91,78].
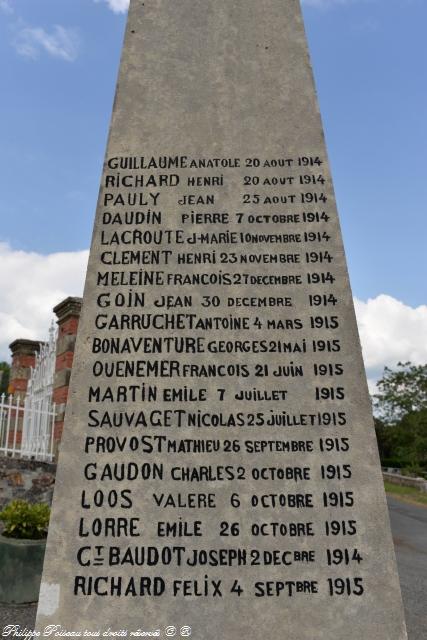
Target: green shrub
[393,462]
[414,471]
[25,520]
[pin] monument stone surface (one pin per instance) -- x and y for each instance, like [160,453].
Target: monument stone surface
[218,474]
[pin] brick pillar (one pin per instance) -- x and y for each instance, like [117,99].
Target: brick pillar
[23,358]
[68,314]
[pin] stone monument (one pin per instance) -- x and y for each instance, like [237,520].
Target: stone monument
[218,474]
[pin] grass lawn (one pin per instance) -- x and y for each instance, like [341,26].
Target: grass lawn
[410,494]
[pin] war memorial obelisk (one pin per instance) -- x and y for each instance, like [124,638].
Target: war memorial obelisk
[218,475]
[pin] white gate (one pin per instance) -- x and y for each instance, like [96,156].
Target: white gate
[36,415]
[11,414]
[37,430]
[12,417]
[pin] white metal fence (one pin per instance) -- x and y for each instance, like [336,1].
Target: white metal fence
[39,412]
[26,432]
[27,428]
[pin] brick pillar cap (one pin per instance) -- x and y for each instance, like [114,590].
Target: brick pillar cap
[68,307]
[25,347]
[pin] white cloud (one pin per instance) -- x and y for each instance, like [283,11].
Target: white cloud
[118,6]
[60,43]
[32,284]
[5,6]
[389,330]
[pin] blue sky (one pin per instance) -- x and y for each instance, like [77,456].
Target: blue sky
[59,60]
[369,59]
[54,120]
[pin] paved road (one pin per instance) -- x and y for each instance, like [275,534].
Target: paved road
[409,527]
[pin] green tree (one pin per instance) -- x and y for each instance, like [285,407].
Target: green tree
[401,392]
[4,377]
[385,441]
[410,441]
[401,417]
